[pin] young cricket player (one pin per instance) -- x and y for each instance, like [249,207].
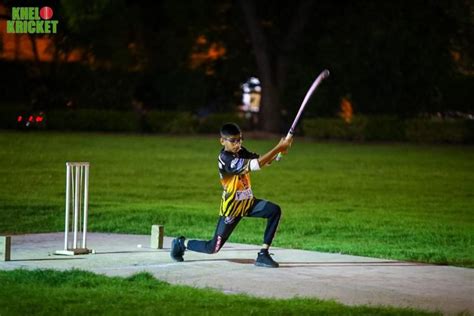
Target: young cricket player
[235,164]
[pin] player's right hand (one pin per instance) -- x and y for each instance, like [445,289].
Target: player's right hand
[284,144]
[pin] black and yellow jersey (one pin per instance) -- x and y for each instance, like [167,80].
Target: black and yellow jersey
[234,169]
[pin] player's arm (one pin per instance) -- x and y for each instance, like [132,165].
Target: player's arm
[281,147]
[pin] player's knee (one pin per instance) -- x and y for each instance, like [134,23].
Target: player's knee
[216,250]
[277,210]
[217,245]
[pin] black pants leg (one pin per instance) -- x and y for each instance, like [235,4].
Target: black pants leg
[226,225]
[270,211]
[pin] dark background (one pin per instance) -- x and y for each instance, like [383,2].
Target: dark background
[400,58]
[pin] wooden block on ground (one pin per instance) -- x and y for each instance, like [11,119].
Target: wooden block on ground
[157,234]
[5,248]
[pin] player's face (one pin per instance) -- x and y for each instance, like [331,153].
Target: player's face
[232,143]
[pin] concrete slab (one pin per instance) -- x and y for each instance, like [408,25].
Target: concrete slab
[351,280]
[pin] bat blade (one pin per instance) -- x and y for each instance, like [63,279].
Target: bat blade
[323,75]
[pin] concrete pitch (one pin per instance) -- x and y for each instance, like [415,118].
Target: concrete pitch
[350,280]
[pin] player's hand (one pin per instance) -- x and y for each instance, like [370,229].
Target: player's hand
[284,144]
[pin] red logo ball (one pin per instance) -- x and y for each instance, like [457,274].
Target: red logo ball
[46,13]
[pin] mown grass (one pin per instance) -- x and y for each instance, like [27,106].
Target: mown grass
[47,292]
[398,201]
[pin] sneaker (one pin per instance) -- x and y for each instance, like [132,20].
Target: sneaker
[265,260]
[177,249]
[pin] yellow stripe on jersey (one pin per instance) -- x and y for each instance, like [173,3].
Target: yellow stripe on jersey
[242,207]
[228,198]
[238,208]
[230,206]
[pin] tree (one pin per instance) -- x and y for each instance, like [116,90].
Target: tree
[272,45]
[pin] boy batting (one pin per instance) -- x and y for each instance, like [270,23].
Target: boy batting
[235,164]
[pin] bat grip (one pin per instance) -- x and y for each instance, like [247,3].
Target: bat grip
[279,156]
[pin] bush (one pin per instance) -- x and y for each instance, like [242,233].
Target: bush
[8,116]
[384,128]
[213,122]
[376,128]
[387,128]
[470,132]
[436,131]
[92,120]
[334,128]
[171,122]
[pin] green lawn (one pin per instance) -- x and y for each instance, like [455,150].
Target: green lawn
[396,201]
[83,293]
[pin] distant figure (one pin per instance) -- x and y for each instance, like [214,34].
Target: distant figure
[251,95]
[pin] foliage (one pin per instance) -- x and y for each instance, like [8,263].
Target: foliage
[92,120]
[171,122]
[333,128]
[9,115]
[100,29]
[391,128]
[361,128]
[384,128]
[429,131]
[392,58]
[213,122]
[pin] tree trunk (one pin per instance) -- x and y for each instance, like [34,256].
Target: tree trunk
[270,94]
[274,76]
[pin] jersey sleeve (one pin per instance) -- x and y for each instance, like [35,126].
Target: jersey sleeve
[253,157]
[244,153]
[233,165]
[245,162]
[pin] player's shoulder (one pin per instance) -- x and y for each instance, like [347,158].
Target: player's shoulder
[226,156]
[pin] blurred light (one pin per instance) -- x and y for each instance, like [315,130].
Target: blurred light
[205,52]
[201,40]
[346,110]
[39,119]
[30,119]
[19,118]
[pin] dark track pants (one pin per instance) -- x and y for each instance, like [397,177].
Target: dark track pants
[226,225]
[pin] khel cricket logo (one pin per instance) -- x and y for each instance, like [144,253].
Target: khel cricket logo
[32,20]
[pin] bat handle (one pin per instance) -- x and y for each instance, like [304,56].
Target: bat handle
[279,156]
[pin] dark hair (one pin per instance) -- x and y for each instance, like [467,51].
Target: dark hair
[230,129]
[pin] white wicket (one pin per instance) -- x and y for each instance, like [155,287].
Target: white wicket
[77,202]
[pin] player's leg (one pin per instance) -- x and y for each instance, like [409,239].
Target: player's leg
[225,227]
[272,212]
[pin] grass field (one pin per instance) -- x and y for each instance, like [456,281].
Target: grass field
[396,201]
[82,293]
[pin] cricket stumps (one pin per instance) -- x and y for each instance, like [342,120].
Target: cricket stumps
[157,234]
[5,248]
